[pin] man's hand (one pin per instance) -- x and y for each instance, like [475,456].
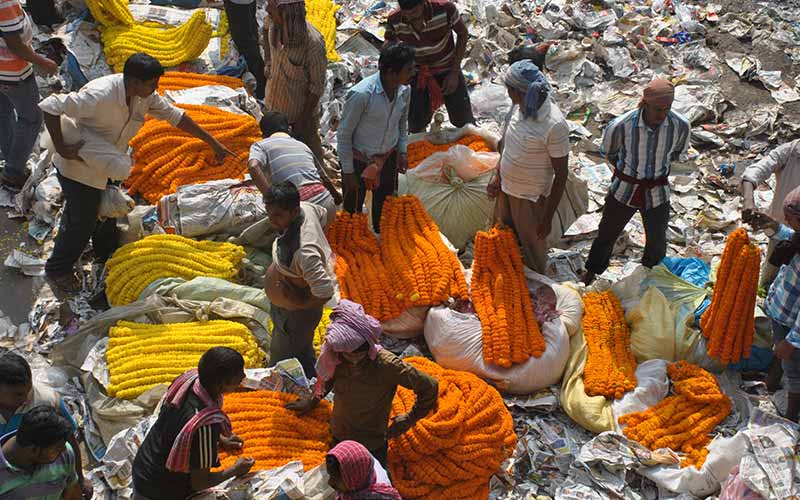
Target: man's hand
[87,490]
[451,81]
[337,197]
[48,66]
[302,406]
[761,221]
[220,151]
[349,183]
[231,444]
[242,466]
[400,424]
[544,227]
[493,189]
[402,162]
[70,151]
[784,350]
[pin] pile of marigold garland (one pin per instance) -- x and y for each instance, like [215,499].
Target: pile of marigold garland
[273,435]
[729,322]
[166,158]
[683,421]
[499,291]
[141,356]
[176,80]
[135,265]
[420,150]
[453,452]
[610,366]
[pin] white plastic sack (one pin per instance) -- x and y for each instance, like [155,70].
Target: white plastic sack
[114,203]
[465,162]
[570,307]
[653,386]
[410,324]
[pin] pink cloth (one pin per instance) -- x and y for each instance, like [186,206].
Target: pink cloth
[178,460]
[791,209]
[358,473]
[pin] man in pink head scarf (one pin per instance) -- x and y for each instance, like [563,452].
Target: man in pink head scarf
[353,474]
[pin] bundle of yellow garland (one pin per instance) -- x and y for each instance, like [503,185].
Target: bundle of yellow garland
[176,80]
[110,12]
[684,420]
[610,366]
[166,158]
[141,356]
[500,293]
[423,271]
[322,14]
[453,452]
[359,268]
[273,435]
[135,265]
[729,322]
[420,150]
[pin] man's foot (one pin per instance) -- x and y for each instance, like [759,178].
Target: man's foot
[793,407]
[774,376]
[587,277]
[15,183]
[67,283]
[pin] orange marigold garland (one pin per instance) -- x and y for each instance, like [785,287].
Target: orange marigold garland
[420,150]
[685,420]
[177,80]
[729,322]
[610,366]
[453,452]
[500,293]
[273,435]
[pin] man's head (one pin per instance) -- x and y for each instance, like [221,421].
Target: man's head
[141,74]
[291,15]
[396,63]
[274,122]
[356,356]
[15,380]
[350,467]
[657,101]
[221,370]
[283,204]
[527,86]
[413,11]
[42,435]
[791,209]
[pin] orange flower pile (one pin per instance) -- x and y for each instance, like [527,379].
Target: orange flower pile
[177,80]
[610,366]
[500,293]
[359,268]
[423,270]
[166,157]
[273,435]
[728,323]
[684,420]
[453,452]
[420,150]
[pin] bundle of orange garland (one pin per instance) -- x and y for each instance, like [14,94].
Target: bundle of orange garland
[177,80]
[420,150]
[166,157]
[610,366]
[453,452]
[359,268]
[728,323]
[499,290]
[422,269]
[273,435]
[683,421]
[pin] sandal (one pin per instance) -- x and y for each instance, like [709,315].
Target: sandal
[14,183]
[67,283]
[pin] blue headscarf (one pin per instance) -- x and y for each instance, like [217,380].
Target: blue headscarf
[525,77]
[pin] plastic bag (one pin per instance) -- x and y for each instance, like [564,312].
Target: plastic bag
[570,307]
[114,203]
[465,162]
[734,488]
[593,413]
[652,388]
[652,327]
[410,324]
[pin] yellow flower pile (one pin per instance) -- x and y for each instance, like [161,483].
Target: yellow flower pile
[135,265]
[141,356]
[322,14]
[110,12]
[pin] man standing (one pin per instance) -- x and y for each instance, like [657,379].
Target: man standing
[243,26]
[112,108]
[301,279]
[295,69]
[640,145]
[428,26]
[20,117]
[530,180]
[373,134]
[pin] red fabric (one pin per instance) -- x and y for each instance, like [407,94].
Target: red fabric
[309,191]
[426,81]
[642,186]
[356,466]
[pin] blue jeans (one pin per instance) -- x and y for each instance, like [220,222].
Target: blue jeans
[20,122]
[791,366]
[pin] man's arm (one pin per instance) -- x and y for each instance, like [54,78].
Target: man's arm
[612,141]
[317,68]
[265,46]
[426,389]
[326,181]
[203,457]
[25,52]
[258,166]
[402,140]
[759,172]
[191,127]
[453,77]
[556,192]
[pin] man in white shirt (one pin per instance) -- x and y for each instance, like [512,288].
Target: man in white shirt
[107,112]
[532,173]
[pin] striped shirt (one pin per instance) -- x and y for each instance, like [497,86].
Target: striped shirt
[45,482]
[434,45]
[14,21]
[783,299]
[295,72]
[641,152]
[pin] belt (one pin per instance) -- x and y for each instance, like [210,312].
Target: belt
[308,191]
[642,186]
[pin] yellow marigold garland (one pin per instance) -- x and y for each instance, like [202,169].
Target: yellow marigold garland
[322,14]
[453,452]
[110,12]
[685,420]
[141,356]
[273,435]
[176,80]
[500,293]
[135,265]
[420,150]
[610,366]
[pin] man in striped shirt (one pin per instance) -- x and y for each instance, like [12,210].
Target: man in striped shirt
[640,145]
[428,26]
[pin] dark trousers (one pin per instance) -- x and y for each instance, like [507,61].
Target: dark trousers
[293,336]
[79,224]
[244,32]
[354,201]
[615,216]
[459,107]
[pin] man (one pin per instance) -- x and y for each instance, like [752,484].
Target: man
[113,108]
[373,133]
[20,117]
[280,158]
[428,26]
[177,455]
[36,461]
[243,26]
[532,174]
[295,69]
[355,474]
[301,258]
[364,378]
[640,145]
